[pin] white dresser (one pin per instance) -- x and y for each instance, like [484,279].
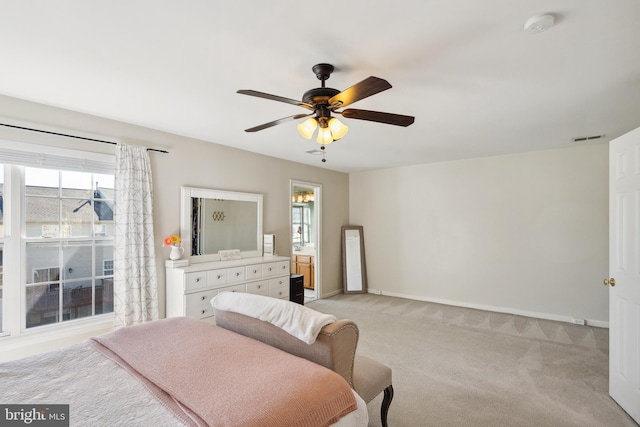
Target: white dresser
[190,288]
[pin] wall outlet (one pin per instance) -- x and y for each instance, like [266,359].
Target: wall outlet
[579,322]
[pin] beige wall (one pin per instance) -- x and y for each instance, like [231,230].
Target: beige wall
[522,233]
[525,233]
[196,163]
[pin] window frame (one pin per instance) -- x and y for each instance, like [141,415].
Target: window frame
[14,312]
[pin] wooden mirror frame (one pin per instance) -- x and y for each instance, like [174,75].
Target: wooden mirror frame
[353,267]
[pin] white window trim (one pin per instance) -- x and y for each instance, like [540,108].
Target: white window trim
[35,271]
[45,156]
[17,335]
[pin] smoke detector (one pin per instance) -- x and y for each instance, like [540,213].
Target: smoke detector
[539,23]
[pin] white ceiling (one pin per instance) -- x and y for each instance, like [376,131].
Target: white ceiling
[477,84]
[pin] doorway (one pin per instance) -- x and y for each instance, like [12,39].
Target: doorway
[306,213]
[624,272]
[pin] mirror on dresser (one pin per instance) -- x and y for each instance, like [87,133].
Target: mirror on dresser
[214,220]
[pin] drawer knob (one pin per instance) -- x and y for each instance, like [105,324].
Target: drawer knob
[270,268]
[255,271]
[203,298]
[219,276]
[259,286]
[203,311]
[237,274]
[197,280]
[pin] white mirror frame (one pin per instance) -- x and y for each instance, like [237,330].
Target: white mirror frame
[187,193]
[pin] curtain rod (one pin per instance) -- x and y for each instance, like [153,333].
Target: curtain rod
[74,136]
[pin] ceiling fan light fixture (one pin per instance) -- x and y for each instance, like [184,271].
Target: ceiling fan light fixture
[324,136]
[338,129]
[306,128]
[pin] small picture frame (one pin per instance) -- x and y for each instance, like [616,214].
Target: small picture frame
[230,254]
[269,244]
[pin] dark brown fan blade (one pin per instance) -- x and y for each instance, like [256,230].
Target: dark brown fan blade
[276,98]
[377,116]
[367,87]
[277,122]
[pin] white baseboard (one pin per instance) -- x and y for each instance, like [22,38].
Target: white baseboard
[332,293]
[534,314]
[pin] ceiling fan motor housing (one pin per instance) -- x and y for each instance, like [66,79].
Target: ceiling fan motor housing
[319,96]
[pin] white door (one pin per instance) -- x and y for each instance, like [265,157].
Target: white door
[624,272]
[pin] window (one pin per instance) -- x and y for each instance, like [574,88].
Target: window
[301,224]
[62,264]
[107,267]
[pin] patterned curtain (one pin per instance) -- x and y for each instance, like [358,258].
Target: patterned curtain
[135,280]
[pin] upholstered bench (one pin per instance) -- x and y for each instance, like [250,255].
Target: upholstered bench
[370,378]
[334,348]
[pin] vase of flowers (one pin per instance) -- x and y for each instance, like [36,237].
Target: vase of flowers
[173,241]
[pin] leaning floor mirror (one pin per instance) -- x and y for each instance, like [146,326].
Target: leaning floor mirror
[354,273]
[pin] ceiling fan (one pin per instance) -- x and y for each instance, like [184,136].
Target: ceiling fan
[324,101]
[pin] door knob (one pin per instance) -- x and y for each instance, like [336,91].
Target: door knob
[611,282]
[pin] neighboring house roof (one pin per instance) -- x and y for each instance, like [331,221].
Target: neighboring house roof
[41,209]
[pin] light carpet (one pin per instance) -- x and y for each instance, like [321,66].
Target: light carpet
[455,366]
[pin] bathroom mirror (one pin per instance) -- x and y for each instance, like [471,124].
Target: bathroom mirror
[215,220]
[354,273]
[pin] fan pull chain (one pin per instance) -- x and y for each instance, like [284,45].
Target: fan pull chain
[323,153]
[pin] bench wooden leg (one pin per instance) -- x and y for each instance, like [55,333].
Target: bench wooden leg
[386,402]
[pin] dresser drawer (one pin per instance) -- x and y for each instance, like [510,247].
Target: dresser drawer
[217,277]
[236,274]
[198,305]
[261,287]
[269,269]
[195,280]
[234,288]
[254,272]
[283,267]
[279,288]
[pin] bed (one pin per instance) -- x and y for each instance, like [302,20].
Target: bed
[182,371]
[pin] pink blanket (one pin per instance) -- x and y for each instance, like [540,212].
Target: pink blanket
[209,376]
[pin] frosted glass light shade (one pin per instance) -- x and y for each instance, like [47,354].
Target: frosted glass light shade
[307,128]
[324,136]
[338,130]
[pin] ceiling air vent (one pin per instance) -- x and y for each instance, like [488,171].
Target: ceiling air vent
[587,138]
[314,152]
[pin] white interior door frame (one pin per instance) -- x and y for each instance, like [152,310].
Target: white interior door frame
[317,218]
[624,272]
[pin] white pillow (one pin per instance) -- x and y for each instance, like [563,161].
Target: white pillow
[298,320]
